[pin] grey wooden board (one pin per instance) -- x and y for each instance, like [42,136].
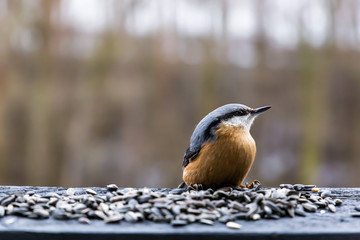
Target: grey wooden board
[339,225]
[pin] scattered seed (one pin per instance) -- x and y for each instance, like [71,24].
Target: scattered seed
[300,211]
[325,194]
[52,195]
[288,186]
[332,208]
[41,213]
[10,220]
[112,187]
[308,187]
[321,203]
[70,191]
[298,187]
[90,191]
[60,214]
[338,202]
[84,220]
[42,200]
[177,191]
[114,218]
[100,214]
[255,217]
[7,200]
[177,207]
[309,207]
[131,217]
[233,225]
[206,221]
[291,212]
[178,223]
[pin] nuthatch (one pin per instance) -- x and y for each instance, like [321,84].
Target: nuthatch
[221,148]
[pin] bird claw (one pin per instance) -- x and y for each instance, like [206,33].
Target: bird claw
[197,187]
[182,185]
[254,185]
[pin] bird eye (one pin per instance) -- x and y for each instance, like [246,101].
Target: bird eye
[240,113]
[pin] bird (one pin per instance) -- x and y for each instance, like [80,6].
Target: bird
[221,150]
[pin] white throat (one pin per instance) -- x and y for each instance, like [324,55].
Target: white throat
[241,121]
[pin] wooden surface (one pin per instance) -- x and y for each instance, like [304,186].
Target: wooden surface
[339,225]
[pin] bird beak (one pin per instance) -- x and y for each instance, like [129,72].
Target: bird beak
[260,110]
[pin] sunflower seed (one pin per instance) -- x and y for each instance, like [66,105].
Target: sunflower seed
[325,194]
[130,217]
[321,203]
[308,187]
[84,220]
[178,223]
[206,221]
[309,207]
[233,225]
[90,191]
[52,195]
[112,187]
[60,214]
[338,202]
[298,187]
[255,217]
[300,211]
[177,207]
[114,218]
[42,213]
[288,186]
[291,212]
[70,191]
[7,200]
[100,214]
[177,191]
[332,208]
[79,207]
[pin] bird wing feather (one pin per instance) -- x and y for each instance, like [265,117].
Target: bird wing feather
[204,132]
[189,155]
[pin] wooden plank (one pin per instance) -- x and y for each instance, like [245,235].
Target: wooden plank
[339,225]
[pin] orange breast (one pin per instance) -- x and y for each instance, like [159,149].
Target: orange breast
[224,162]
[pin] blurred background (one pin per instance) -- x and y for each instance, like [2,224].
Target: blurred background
[94,92]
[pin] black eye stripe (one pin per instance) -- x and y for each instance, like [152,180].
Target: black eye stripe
[209,132]
[233,114]
[240,113]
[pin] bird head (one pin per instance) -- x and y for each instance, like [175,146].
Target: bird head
[239,115]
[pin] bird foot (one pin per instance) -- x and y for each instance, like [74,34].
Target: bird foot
[182,185]
[197,187]
[255,184]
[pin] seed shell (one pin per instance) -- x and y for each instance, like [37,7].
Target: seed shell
[233,225]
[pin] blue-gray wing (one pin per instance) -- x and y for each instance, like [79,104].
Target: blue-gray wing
[188,156]
[204,132]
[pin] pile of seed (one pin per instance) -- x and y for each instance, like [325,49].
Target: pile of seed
[177,207]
